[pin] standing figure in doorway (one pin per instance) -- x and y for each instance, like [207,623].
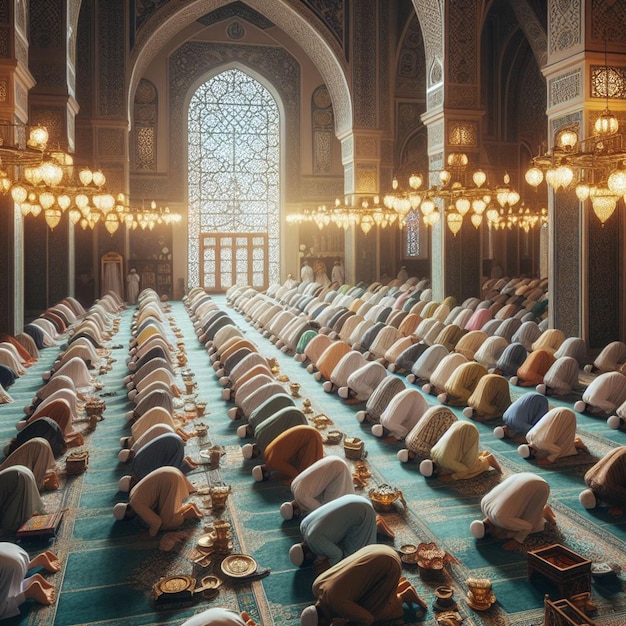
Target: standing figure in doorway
[132,286]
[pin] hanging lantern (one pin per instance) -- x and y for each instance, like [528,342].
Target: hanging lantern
[603,202]
[111,222]
[476,219]
[454,221]
[534,176]
[53,217]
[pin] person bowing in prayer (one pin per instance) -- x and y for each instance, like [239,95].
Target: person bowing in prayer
[515,508]
[365,588]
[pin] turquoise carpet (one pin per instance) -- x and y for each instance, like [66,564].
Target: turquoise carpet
[110,567]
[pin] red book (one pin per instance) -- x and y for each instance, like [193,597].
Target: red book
[45,525]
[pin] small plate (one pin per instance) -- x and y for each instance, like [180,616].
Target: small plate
[206,541]
[239,565]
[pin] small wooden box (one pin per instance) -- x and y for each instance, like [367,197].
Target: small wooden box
[564,613]
[569,571]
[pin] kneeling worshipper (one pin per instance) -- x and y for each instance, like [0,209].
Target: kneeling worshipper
[220,617]
[269,429]
[511,360]
[361,383]
[552,437]
[442,373]
[490,399]
[330,360]
[380,399]
[166,450]
[365,588]
[531,372]
[561,378]
[35,454]
[611,358]
[264,411]
[426,433]
[252,394]
[462,383]
[426,363]
[401,415]
[16,587]
[456,456]
[603,395]
[155,415]
[158,499]
[337,529]
[606,482]
[59,411]
[290,453]
[323,481]
[45,428]
[515,508]
[19,497]
[522,415]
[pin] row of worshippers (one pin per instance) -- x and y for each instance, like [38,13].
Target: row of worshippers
[19,352]
[154,451]
[501,523]
[545,359]
[337,523]
[467,382]
[328,473]
[397,410]
[48,426]
[367,586]
[43,437]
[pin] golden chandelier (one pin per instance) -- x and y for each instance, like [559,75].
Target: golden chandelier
[45,181]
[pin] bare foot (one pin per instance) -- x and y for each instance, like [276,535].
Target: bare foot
[545,461]
[48,560]
[382,528]
[192,464]
[51,481]
[549,515]
[493,462]
[183,435]
[406,592]
[444,478]
[578,443]
[39,593]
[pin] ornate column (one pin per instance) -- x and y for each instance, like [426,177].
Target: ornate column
[367,154]
[585,257]
[52,104]
[15,82]
[102,125]
[453,119]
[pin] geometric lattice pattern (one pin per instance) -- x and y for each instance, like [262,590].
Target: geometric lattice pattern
[233,165]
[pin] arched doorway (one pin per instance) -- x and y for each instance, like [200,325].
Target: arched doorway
[233,126]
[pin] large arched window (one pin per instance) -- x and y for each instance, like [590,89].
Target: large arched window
[233,183]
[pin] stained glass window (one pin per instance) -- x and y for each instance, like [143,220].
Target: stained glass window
[233,165]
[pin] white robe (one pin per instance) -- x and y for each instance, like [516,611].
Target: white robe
[325,480]
[553,435]
[516,505]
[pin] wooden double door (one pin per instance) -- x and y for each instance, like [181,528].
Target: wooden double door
[227,259]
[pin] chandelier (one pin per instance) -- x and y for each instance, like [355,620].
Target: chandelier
[594,167]
[45,181]
[142,217]
[367,214]
[460,192]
